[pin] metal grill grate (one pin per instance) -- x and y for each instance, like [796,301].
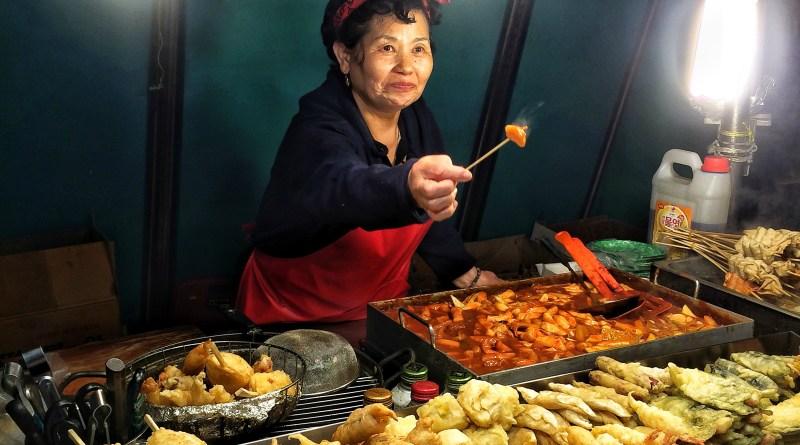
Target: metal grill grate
[326,409]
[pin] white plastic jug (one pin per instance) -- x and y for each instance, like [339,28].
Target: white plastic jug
[700,202]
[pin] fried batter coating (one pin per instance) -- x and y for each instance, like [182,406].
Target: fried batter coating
[401,426]
[234,375]
[652,379]
[592,398]
[487,404]
[664,420]
[164,436]
[580,436]
[556,400]
[495,435]
[385,439]
[306,441]
[785,416]
[731,394]
[445,413]
[454,437]
[422,434]
[617,384]
[521,436]
[363,423]
[263,364]
[196,358]
[537,418]
[264,382]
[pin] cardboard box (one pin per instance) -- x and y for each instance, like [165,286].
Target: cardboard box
[57,290]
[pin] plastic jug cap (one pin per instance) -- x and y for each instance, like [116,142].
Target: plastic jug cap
[716,164]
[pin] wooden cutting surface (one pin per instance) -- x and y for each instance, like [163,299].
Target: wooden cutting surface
[93,356]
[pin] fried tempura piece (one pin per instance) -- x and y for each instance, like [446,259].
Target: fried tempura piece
[454,437]
[151,391]
[164,436]
[401,426]
[487,404]
[617,384]
[234,375]
[652,379]
[386,439]
[768,388]
[606,418]
[219,395]
[521,436]
[422,434]
[445,413]
[663,420]
[362,423]
[575,418]
[306,441]
[495,435]
[263,364]
[545,439]
[629,436]
[785,416]
[170,374]
[712,390]
[717,421]
[783,370]
[196,358]
[592,398]
[538,418]
[607,439]
[264,382]
[579,436]
[556,400]
[606,393]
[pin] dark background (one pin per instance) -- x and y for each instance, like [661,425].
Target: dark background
[73,116]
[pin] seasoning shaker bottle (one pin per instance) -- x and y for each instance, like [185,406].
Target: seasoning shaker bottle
[412,372]
[378,395]
[455,380]
[423,391]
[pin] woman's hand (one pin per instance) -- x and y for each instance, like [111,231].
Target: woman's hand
[484,278]
[432,181]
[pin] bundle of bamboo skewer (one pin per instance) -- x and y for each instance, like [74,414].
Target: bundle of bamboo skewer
[759,262]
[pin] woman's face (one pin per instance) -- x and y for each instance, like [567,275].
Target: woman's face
[390,66]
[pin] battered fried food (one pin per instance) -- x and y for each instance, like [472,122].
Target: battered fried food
[664,420]
[196,358]
[593,399]
[535,417]
[306,441]
[422,434]
[234,374]
[617,384]
[652,379]
[487,404]
[401,426]
[363,423]
[712,390]
[575,418]
[264,382]
[263,364]
[386,439]
[783,370]
[495,435]
[163,436]
[768,388]
[630,436]
[444,412]
[556,400]
[785,416]
[454,437]
[579,436]
[716,421]
[521,436]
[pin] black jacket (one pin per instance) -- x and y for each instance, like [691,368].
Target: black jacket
[330,176]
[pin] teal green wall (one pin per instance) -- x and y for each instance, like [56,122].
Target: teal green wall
[73,114]
[73,123]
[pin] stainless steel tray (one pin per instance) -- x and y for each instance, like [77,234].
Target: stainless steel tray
[785,343]
[701,279]
[385,334]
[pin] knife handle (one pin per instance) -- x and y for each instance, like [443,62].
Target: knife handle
[24,420]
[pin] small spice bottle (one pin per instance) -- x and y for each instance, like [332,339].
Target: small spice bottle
[378,395]
[455,380]
[423,391]
[412,372]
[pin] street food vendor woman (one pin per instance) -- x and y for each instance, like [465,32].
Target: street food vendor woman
[361,180]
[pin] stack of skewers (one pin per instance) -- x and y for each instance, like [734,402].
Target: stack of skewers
[760,262]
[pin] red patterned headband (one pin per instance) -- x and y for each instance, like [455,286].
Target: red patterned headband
[349,6]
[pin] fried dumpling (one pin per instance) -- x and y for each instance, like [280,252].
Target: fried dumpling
[486,404]
[445,413]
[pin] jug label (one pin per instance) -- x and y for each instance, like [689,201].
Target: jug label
[667,216]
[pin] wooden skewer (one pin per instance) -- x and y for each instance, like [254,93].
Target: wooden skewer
[488,153]
[75,438]
[150,422]
[218,354]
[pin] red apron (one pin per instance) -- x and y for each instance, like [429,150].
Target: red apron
[334,283]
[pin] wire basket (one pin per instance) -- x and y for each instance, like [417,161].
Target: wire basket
[233,419]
